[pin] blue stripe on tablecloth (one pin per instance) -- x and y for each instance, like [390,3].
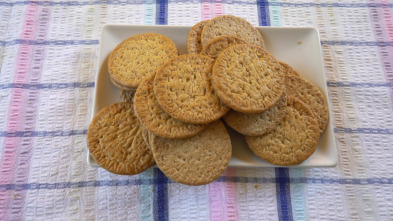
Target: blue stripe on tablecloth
[133,2]
[160,202]
[137,182]
[49,42]
[162,19]
[55,133]
[48,85]
[161,12]
[64,133]
[263,13]
[284,205]
[92,84]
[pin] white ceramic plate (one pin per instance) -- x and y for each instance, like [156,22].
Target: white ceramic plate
[299,47]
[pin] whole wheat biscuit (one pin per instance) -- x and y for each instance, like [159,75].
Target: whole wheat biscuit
[247,78]
[257,124]
[127,95]
[145,136]
[288,70]
[155,119]
[197,160]
[309,94]
[138,57]
[232,26]
[217,45]
[115,141]
[194,45]
[182,88]
[293,141]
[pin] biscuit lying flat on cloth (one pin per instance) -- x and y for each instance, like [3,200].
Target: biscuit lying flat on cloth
[247,78]
[293,141]
[115,141]
[194,44]
[155,119]
[138,57]
[231,26]
[182,88]
[257,124]
[216,46]
[197,160]
[288,70]
[310,95]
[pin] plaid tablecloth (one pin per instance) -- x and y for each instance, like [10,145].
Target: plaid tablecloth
[48,63]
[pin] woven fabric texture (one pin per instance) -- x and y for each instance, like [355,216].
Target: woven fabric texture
[48,64]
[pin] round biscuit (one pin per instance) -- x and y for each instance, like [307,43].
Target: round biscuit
[288,70]
[194,45]
[155,119]
[247,78]
[197,160]
[232,26]
[183,89]
[115,141]
[217,45]
[138,57]
[310,95]
[293,141]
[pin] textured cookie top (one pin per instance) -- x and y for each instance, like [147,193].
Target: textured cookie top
[194,44]
[155,119]
[231,26]
[216,46]
[138,57]
[293,141]
[197,160]
[247,78]
[115,141]
[288,70]
[309,94]
[257,124]
[182,88]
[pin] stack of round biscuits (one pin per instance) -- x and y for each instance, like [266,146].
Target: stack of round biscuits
[173,104]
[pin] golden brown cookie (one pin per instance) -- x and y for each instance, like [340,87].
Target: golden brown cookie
[155,119]
[309,94]
[194,45]
[257,124]
[293,141]
[197,160]
[247,78]
[232,26]
[288,70]
[115,141]
[217,45]
[127,95]
[138,57]
[182,88]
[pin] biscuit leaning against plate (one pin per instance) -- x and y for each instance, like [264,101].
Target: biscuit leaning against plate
[288,70]
[138,57]
[309,94]
[182,88]
[216,46]
[257,124]
[247,78]
[293,141]
[232,26]
[115,141]
[155,119]
[194,45]
[197,160]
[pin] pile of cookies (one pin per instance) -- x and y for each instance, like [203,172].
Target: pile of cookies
[173,104]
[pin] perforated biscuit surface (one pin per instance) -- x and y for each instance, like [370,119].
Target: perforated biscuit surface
[217,45]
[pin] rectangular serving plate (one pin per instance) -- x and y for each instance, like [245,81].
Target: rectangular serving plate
[298,46]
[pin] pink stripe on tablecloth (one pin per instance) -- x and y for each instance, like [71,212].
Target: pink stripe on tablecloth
[223,204]
[382,23]
[211,10]
[15,162]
